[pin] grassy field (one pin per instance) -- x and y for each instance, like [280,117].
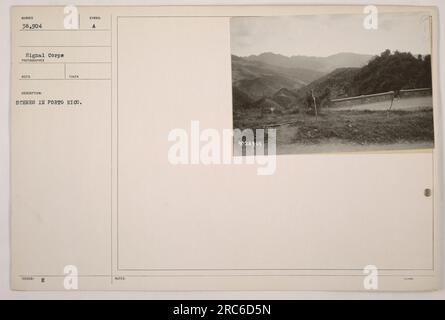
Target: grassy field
[361,127]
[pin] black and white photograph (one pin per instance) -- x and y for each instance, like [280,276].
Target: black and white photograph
[327,83]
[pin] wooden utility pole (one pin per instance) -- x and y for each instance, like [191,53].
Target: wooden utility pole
[315,105]
[392,101]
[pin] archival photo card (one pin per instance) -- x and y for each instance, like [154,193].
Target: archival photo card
[333,82]
[123,176]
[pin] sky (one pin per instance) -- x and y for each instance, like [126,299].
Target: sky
[324,35]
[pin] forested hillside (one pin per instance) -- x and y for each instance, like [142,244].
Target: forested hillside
[254,81]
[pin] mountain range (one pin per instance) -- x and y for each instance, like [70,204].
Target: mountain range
[318,64]
[281,83]
[258,78]
[278,78]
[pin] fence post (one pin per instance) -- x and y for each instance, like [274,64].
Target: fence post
[315,105]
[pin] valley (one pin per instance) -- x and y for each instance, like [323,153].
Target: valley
[274,91]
